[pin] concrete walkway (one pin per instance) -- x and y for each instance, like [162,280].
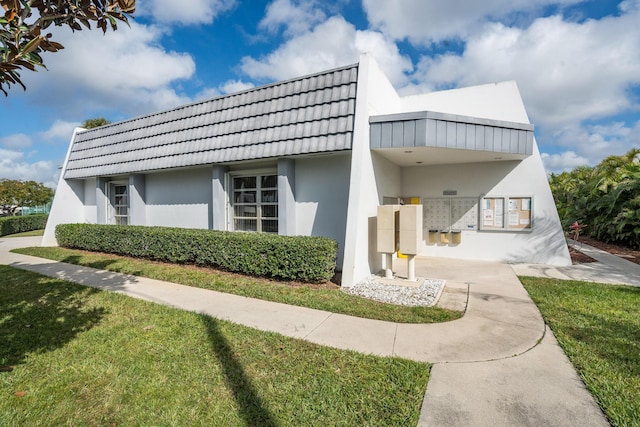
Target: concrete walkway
[608,268]
[498,365]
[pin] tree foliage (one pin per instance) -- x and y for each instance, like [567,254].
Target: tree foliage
[22,40]
[94,123]
[15,194]
[606,198]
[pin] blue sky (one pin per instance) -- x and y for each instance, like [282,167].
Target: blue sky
[577,64]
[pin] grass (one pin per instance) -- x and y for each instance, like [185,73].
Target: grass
[321,297]
[73,355]
[598,327]
[27,234]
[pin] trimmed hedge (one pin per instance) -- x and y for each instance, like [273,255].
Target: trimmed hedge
[20,224]
[303,258]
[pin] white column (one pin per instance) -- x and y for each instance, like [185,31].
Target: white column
[286,197]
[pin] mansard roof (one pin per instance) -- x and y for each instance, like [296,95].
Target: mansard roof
[310,114]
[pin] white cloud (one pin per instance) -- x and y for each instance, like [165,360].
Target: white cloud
[297,17]
[232,86]
[18,140]
[126,70]
[567,72]
[14,166]
[186,13]
[563,162]
[594,142]
[423,22]
[60,131]
[330,44]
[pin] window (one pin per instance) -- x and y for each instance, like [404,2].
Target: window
[255,203]
[120,204]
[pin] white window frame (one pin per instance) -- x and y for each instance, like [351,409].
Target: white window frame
[112,216]
[259,203]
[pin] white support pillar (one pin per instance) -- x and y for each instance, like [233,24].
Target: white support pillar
[102,203]
[411,268]
[286,197]
[219,197]
[388,263]
[137,200]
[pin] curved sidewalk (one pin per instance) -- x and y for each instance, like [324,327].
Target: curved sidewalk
[500,320]
[496,366]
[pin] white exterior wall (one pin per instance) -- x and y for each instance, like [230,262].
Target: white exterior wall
[90,206]
[388,177]
[497,101]
[373,177]
[375,95]
[545,244]
[179,198]
[337,195]
[68,203]
[321,194]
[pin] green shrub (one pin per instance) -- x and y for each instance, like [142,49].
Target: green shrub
[605,198]
[20,224]
[304,258]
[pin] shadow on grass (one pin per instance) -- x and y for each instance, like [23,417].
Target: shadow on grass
[252,407]
[100,265]
[40,314]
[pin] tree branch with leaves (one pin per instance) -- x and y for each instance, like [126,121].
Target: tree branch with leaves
[22,40]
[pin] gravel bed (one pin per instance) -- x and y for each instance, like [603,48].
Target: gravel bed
[424,295]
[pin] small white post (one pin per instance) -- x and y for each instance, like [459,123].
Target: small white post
[388,270]
[411,268]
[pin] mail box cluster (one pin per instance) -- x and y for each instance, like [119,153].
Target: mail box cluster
[444,237]
[400,228]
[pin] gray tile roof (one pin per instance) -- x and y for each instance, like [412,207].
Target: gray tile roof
[309,114]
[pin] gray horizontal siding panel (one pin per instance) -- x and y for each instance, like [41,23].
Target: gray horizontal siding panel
[420,132]
[441,134]
[409,133]
[451,139]
[387,133]
[450,118]
[480,138]
[470,135]
[397,134]
[426,129]
[375,135]
[513,141]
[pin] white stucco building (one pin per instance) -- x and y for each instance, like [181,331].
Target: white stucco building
[316,155]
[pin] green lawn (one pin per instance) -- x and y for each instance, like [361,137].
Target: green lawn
[598,327]
[73,355]
[324,297]
[27,234]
